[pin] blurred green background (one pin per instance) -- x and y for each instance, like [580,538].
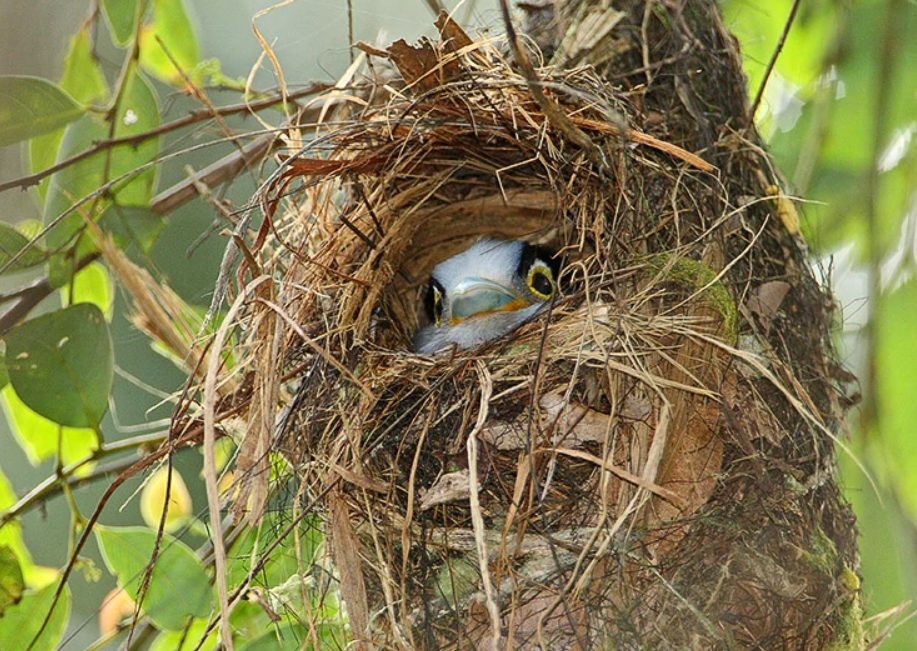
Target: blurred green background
[840,113]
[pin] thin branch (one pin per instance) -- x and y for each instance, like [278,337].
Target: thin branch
[221,171]
[54,485]
[200,115]
[104,188]
[770,64]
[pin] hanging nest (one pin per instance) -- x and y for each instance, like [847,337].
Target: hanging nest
[646,464]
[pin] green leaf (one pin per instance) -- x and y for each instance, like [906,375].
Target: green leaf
[187,640]
[84,80]
[43,439]
[169,36]
[286,636]
[11,243]
[83,77]
[12,584]
[179,587]
[61,365]
[4,373]
[11,537]
[92,285]
[30,106]
[133,225]
[121,16]
[138,112]
[20,623]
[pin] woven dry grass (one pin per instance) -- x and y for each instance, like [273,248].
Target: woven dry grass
[638,467]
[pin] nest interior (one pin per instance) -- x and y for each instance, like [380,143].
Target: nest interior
[648,463]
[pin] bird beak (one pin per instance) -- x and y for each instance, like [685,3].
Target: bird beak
[478,296]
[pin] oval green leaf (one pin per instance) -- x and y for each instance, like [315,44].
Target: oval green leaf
[92,284]
[137,113]
[62,365]
[84,80]
[167,41]
[121,15]
[12,583]
[30,106]
[179,587]
[20,623]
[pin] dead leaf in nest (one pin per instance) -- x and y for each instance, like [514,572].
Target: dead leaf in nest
[574,425]
[504,436]
[451,33]
[451,487]
[767,299]
[750,417]
[571,425]
[422,65]
[694,449]
[695,461]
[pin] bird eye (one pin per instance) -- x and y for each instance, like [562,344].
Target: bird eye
[437,306]
[541,281]
[433,302]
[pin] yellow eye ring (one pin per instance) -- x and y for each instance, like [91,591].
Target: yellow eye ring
[540,280]
[437,306]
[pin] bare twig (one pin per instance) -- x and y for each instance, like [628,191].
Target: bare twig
[225,169]
[53,484]
[25,182]
[770,64]
[31,295]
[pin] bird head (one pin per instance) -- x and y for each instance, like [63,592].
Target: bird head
[485,292]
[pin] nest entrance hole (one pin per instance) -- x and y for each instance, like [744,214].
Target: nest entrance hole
[445,231]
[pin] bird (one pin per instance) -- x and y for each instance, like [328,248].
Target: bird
[484,292]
